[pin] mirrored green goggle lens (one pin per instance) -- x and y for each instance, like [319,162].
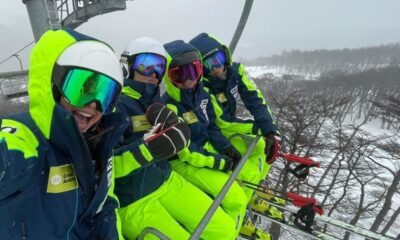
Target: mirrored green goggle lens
[81,87]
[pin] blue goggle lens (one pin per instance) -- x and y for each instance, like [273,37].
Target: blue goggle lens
[216,60]
[149,63]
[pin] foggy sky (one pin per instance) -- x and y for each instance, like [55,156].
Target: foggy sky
[273,25]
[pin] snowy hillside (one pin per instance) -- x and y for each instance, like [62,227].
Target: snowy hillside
[358,164]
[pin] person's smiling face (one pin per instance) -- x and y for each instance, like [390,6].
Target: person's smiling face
[86,117]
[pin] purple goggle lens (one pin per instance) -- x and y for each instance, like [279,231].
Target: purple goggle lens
[180,74]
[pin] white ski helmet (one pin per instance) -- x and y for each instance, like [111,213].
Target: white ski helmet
[90,55]
[137,46]
[93,55]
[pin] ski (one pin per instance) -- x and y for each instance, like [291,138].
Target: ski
[241,236]
[345,226]
[290,225]
[351,228]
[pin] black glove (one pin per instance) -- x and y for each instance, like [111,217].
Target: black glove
[228,164]
[165,143]
[272,147]
[234,154]
[159,113]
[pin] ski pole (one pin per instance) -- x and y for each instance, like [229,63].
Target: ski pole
[203,223]
[301,160]
[259,187]
[266,192]
[302,170]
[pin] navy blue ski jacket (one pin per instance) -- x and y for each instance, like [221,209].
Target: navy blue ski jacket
[134,101]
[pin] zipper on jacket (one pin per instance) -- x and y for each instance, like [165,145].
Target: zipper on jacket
[24,237]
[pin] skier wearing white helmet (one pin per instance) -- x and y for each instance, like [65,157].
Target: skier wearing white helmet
[47,165]
[56,174]
[154,195]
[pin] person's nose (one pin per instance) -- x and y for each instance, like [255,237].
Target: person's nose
[93,105]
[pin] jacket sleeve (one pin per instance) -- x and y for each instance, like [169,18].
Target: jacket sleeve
[217,139]
[255,103]
[108,222]
[18,158]
[242,127]
[200,157]
[130,157]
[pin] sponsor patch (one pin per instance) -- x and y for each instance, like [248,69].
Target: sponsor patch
[62,179]
[190,117]
[221,97]
[140,123]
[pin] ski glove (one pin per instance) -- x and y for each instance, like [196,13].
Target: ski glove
[165,143]
[234,154]
[228,166]
[159,113]
[272,147]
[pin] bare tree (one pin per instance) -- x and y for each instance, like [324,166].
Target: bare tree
[393,148]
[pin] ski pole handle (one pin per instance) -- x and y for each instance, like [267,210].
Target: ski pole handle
[301,201]
[301,160]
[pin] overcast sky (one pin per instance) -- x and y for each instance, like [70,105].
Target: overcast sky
[273,25]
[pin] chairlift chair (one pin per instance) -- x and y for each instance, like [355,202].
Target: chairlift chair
[14,88]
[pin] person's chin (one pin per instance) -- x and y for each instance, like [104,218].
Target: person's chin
[84,127]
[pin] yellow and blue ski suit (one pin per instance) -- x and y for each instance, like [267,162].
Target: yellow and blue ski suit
[47,180]
[154,195]
[201,163]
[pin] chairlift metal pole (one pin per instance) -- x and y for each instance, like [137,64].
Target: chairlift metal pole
[152,231]
[19,60]
[203,223]
[42,16]
[242,23]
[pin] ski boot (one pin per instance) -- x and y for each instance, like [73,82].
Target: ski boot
[258,204]
[250,231]
[270,196]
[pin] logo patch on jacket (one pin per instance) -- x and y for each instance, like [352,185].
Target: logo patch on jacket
[140,123]
[190,117]
[235,92]
[62,179]
[221,97]
[203,106]
[10,130]
[19,137]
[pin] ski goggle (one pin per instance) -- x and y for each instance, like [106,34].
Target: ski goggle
[149,63]
[215,60]
[180,74]
[81,87]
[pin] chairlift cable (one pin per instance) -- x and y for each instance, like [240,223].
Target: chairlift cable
[12,55]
